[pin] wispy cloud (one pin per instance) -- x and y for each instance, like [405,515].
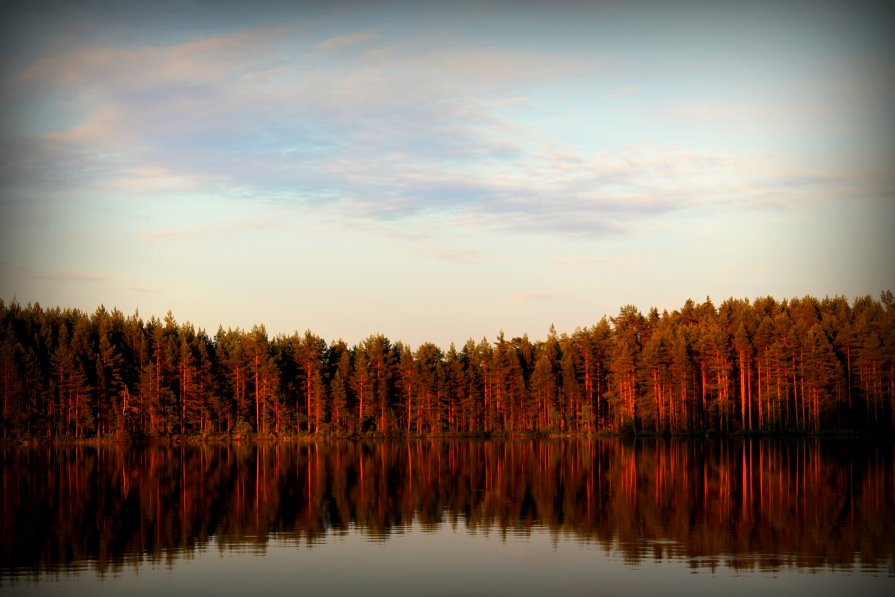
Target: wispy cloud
[56,275]
[382,133]
[341,42]
[201,231]
[92,70]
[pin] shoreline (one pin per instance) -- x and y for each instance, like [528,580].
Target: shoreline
[324,438]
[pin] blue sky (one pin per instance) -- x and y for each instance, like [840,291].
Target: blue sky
[441,172]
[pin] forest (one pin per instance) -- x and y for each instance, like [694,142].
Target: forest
[801,365]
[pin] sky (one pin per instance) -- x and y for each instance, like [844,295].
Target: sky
[442,171]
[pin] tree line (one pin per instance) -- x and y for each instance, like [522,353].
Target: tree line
[796,365]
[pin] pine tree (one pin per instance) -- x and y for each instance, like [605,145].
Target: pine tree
[108,364]
[822,369]
[430,383]
[309,351]
[624,362]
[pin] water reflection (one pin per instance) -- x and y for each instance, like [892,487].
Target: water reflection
[744,505]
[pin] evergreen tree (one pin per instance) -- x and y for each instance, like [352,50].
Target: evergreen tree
[799,364]
[309,351]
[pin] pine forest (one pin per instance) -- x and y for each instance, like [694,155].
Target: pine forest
[802,365]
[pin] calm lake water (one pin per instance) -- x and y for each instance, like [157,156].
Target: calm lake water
[439,517]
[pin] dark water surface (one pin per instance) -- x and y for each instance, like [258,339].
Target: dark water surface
[439,517]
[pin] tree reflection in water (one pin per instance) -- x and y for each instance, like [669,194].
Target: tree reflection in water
[758,504]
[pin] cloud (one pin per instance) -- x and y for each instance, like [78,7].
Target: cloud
[341,42]
[93,70]
[56,275]
[278,130]
[494,66]
[385,134]
[151,179]
[98,126]
[218,229]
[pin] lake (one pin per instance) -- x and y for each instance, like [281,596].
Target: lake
[451,517]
